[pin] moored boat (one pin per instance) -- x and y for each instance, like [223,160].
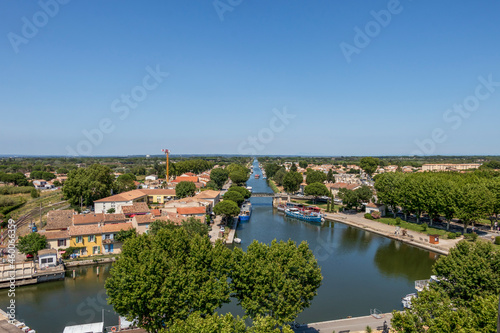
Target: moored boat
[245,212]
[407,300]
[310,214]
[257,176]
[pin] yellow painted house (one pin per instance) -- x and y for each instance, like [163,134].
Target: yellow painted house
[88,238]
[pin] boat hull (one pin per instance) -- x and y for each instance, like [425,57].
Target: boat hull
[303,217]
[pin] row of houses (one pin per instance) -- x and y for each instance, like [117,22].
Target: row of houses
[95,233]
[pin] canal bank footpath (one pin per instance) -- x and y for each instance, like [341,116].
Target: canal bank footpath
[412,237]
[351,325]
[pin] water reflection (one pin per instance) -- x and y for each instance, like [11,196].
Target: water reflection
[396,259]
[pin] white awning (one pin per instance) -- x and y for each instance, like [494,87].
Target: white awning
[86,328]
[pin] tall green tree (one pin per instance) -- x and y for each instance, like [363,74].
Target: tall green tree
[316,190]
[241,190]
[227,209]
[271,169]
[277,280]
[278,177]
[185,189]
[314,176]
[32,243]
[303,164]
[164,277]
[293,167]
[330,177]
[464,300]
[219,176]
[369,164]
[292,181]
[473,201]
[234,196]
[89,184]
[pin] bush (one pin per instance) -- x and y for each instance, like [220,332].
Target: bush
[398,221]
[368,329]
[424,227]
[452,235]
[368,216]
[497,240]
[472,236]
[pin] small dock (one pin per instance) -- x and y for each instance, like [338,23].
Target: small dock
[232,232]
[26,273]
[351,325]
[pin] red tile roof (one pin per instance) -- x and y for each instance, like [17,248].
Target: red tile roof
[185,179]
[191,210]
[59,219]
[136,208]
[55,234]
[82,230]
[116,227]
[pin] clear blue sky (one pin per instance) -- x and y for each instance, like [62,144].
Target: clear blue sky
[226,76]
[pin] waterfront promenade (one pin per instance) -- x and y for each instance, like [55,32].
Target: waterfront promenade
[413,238]
[351,325]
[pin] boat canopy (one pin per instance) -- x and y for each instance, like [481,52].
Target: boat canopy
[86,328]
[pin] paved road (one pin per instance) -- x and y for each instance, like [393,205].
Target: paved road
[357,324]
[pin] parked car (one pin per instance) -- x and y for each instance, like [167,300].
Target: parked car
[222,229]
[86,211]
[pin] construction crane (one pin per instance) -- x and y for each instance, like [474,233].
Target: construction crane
[167,152]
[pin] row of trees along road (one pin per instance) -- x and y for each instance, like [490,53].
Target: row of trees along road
[464,300]
[469,197]
[173,279]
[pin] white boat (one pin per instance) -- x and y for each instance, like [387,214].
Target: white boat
[407,300]
[237,240]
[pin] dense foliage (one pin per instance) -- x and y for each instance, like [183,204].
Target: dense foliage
[277,280]
[469,197]
[185,189]
[464,300]
[88,184]
[173,280]
[32,243]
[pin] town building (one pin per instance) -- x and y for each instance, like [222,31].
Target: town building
[450,167]
[87,238]
[152,196]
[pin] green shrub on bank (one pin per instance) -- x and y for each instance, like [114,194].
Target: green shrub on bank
[472,236]
[452,235]
[368,216]
[497,240]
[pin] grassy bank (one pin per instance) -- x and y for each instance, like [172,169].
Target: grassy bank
[414,226]
[311,203]
[273,186]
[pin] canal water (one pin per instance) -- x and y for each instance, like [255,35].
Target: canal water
[361,271]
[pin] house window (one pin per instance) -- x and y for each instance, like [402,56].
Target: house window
[79,239]
[158,198]
[96,250]
[61,242]
[91,239]
[107,236]
[108,248]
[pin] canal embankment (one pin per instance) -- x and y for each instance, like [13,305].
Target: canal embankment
[412,237]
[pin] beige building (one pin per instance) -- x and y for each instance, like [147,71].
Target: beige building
[450,167]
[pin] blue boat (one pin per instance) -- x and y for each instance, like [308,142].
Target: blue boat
[310,215]
[246,212]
